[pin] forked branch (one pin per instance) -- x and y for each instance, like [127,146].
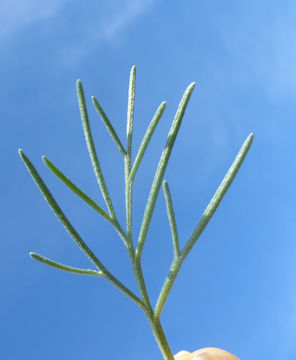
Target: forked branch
[206,217]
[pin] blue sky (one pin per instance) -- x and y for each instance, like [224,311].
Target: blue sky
[237,288]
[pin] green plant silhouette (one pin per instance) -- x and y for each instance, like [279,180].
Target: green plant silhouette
[134,248]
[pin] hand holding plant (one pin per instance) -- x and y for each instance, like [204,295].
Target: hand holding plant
[135,248]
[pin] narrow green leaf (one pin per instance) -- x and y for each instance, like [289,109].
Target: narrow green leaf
[108,125]
[171,216]
[63,267]
[92,149]
[146,139]
[158,177]
[219,194]
[130,109]
[75,189]
[127,157]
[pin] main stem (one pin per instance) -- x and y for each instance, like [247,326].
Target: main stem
[136,261]
[159,335]
[137,268]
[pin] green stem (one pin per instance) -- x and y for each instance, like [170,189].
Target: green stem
[129,177]
[137,268]
[168,284]
[128,199]
[159,335]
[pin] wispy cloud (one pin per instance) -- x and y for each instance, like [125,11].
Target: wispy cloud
[107,26]
[97,23]
[15,14]
[132,10]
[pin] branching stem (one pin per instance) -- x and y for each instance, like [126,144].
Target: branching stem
[72,231]
[137,268]
[135,255]
[206,217]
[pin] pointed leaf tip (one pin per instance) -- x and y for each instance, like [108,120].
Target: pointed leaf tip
[192,85]
[22,155]
[34,255]
[78,84]
[249,139]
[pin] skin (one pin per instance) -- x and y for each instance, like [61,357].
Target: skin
[208,353]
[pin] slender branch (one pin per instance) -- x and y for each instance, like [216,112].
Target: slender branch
[161,169]
[71,230]
[167,286]
[129,191]
[92,149]
[63,267]
[137,268]
[128,204]
[138,271]
[85,197]
[108,125]
[146,139]
[172,219]
[206,217]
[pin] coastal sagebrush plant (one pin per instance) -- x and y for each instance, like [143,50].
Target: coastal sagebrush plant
[126,233]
